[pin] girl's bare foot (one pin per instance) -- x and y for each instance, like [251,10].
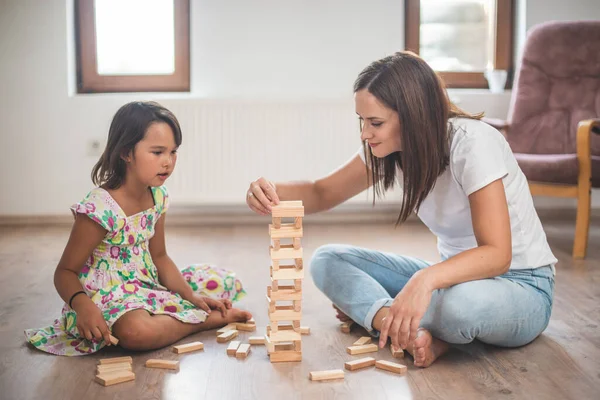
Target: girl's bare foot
[340,315]
[426,349]
[216,320]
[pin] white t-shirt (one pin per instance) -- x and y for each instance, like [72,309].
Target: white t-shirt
[479,155]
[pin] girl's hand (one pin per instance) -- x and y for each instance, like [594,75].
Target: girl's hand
[207,304]
[404,316]
[90,321]
[261,195]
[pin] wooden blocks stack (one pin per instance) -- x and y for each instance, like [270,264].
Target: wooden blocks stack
[111,371]
[284,296]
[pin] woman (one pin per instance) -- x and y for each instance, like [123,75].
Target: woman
[495,281]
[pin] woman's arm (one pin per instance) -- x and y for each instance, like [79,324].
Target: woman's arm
[170,276]
[491,257]
[320,195]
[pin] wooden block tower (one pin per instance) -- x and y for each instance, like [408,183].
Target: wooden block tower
[284,296]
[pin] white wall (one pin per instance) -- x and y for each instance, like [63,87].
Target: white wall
[264,50]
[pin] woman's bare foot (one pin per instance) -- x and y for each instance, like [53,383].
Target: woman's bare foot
[340,315]
[426,349]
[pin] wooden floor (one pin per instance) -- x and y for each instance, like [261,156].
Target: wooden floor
[564,363]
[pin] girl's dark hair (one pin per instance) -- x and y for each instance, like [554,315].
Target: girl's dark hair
[406,84]
[128,127]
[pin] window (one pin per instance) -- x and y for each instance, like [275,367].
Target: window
[132,45]
[460,39]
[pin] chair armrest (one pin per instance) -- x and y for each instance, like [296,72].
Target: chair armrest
[584,152]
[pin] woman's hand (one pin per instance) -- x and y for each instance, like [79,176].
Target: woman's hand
[207,304]
[406,312]
[90,321]
[261,195]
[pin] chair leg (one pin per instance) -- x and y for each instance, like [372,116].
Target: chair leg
[582,225]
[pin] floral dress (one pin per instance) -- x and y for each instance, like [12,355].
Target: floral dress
[120,276]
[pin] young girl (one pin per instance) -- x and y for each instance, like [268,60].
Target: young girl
[495,281]
[115,274]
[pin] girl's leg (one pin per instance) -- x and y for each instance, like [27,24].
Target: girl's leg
[139,330]
[360,281]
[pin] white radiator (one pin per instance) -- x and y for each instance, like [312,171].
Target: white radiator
[228,144]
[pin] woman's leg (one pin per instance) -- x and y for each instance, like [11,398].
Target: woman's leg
[139,330]
[360,281]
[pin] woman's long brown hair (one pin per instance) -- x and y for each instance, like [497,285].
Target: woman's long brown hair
[406,84]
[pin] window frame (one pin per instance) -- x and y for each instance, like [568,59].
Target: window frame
[88,79]
[503,56]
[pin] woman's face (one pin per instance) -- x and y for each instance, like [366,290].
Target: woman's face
[380,124]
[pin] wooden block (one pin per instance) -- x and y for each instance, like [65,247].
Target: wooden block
[397,353]
[116,360]
[284,293]
[390,366]
[298,263]
[245,327]
[298,222]
[287,346]
[188,347]
[256,340]
[297,243]
[276,244]
[365,348]
[287,272]
[284,336]
[298,284]
[362,340]
[285,356]
[163,364]
[113,340]
[287,231]
[251,321]
[346,326]
[269,345]
[359,364]
[232,348]
[112,378]
[277,222]
[286,251]
[297,305]
[326,375]
[285,315]
[297,345]
[227,336]
[226,328]
[287,209]
[305,330]
[242,351]
[113,367]
[275,265]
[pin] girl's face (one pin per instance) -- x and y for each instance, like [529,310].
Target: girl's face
[154,156]
[380,125]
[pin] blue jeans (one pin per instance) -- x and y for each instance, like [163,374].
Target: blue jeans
[509,310]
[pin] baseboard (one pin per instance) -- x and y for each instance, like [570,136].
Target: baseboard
[182,215]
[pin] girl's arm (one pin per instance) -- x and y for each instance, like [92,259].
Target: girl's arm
[323,194]
[86,235]
[491,257]
[170,276]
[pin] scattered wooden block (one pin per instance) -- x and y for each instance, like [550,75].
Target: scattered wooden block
[365,348]
[346,326]
[226,328]
[246,327]
[256,340]
[227,336]
[305,330]
[232,348]
[112,378]
[397,353]
[326,375]
[113,340]
[390,366]
[163,364]
[115,360]
[251,321]
[362,341]
[113,367]
[242,351]
[188,347]
[359,364]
